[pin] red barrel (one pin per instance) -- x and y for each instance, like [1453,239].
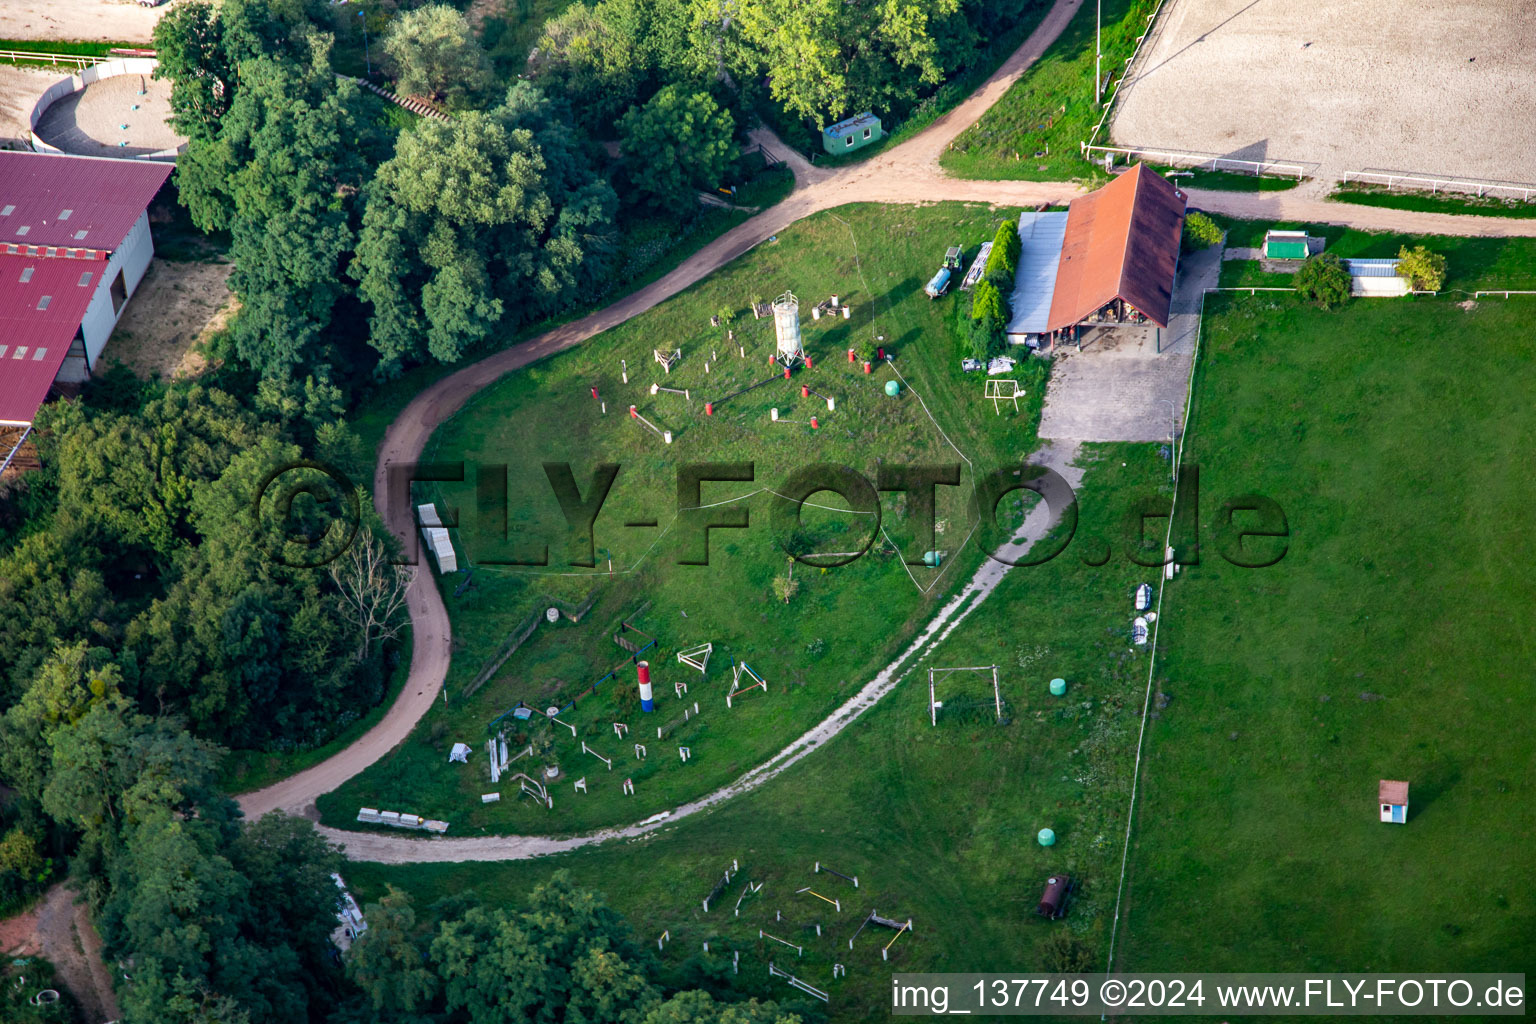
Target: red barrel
[866,368]
[814,424]
[636,415]
[786,373]
[807,362]
[709,408]
[850,356]
[805,391]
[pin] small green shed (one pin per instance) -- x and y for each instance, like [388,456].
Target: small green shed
[851,133]
[1285,245]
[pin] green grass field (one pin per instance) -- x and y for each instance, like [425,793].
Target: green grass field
[1398,199]
[1051,109]
[1393,641]
[1228,181]
[1472,264]
[815,650]
[938,823]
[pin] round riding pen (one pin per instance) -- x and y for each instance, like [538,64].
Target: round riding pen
[113,109]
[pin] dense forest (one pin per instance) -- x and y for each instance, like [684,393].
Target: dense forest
[149,622]
[428,239]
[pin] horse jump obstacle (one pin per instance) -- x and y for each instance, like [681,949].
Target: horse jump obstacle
[639,752]
[679,688]
[748,890]
[665,435]
[819,896]
[620,729]
[667,359]
[588,750]
[696,657]
[629,787]
[799,951]
[581,784]
[725,880]
[685,753]
[774,972]
[934,704]
[847,878]
[739,669]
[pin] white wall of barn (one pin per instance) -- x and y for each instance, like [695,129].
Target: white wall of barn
[131,260]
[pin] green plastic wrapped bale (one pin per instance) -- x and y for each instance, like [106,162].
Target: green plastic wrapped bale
[1058,687]
[892,388]
[1047,837]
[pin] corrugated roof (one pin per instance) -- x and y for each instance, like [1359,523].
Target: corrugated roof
[1391,792]
[1121,242]
[1372,267]
[852,123]
[41,304]
[1034,282]
[75,201]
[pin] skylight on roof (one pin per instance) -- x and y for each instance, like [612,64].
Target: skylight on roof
[10,208]
[23,230]
[42,303]
[20,353]
[64,214]
[85,279]
[79,235]
[26,274]
[38,355]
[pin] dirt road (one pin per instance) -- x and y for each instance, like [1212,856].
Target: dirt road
[60,930]
[908,173]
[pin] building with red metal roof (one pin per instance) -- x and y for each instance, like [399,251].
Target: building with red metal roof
[1121,247]
[74,244]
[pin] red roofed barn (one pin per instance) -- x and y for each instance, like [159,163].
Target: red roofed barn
[74,244]
[1121,249]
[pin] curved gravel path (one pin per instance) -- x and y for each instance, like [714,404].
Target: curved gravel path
[908,173]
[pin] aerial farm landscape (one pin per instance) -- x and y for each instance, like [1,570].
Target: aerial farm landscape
[765,511]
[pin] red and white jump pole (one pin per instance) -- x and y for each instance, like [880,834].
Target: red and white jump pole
[644,670]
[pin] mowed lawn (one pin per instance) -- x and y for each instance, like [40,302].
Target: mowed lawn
[1395,640]
[939,824]
[837,630]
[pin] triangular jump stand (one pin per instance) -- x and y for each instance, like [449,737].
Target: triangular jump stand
[696,657]
[740,671]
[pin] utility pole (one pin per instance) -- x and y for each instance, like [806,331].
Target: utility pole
[1098,53]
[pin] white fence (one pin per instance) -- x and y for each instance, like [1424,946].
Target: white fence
[1211,161]
[88,75]
[1419,182]
[73,60]
[1124,74]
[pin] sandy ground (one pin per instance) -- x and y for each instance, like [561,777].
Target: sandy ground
[112,20]
[909,173]
[91,122]
[19,90]
[60,929]
[172,312]
[1443,87]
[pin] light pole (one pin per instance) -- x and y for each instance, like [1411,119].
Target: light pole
[368,60]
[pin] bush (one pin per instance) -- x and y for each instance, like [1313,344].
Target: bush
[1065,953]
[1424,270]
[1003,260]
[1200,231]
[1324,279]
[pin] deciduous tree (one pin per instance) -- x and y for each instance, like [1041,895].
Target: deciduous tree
[434,53]
[677,142]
